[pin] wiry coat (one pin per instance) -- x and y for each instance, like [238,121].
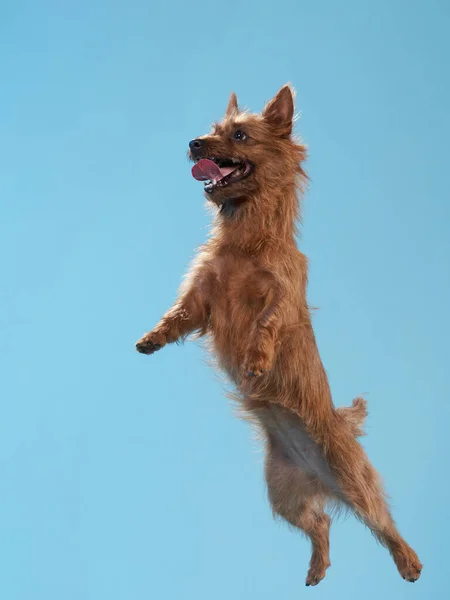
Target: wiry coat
[247,291]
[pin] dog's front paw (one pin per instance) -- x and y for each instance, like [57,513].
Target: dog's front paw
[257,364]
[151,342]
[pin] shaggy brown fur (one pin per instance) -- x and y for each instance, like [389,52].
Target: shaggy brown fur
[247,291]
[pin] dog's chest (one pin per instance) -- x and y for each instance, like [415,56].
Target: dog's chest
[235,290]
[235,303]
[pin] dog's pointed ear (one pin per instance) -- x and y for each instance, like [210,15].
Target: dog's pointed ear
[232,108]
[279,112]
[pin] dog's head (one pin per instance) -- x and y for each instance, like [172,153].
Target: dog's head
[246,153]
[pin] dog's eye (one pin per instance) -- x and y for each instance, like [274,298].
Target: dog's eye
[239,135]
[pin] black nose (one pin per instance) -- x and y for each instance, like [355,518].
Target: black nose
[195,144]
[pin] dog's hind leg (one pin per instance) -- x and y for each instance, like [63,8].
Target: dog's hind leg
[300,503]
[316,524]
[362,491]
[377,516]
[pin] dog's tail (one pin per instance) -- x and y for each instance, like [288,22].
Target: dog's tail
[355,415]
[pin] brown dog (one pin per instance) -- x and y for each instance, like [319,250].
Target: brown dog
[247,292]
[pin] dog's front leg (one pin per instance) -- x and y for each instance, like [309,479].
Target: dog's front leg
[189,313]
[261,349]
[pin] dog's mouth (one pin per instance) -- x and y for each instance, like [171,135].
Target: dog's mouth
[220,172]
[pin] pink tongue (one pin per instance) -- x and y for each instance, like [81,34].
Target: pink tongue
[206,169]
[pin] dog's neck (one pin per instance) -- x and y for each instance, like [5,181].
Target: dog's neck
[248,225]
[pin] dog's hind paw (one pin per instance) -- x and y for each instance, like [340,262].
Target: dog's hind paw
[411,572]
[315,574]
[408,565]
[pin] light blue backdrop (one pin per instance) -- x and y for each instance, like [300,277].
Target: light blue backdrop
[126,477]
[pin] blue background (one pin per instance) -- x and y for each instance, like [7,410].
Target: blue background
[123,476]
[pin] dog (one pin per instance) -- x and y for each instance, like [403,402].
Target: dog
[246,291]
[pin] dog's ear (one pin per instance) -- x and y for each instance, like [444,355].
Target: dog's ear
[279,112]
[232,108]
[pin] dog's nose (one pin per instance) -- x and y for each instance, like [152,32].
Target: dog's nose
[195,144]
